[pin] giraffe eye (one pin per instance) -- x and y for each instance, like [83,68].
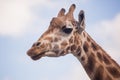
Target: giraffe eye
[66,30]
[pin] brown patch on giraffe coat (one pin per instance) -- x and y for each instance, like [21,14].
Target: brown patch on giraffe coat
[83,34]
[49,39]
[73,47]
[85,46]
[114,72]
[64,43]
[68,48]
[71,40]
[83,58]
[88,39]
[56,51]
[42,45]
[76,39]
[94,46]
[56,39]
[106,60]
[99,73]
[111,60]
[78,51]
[99,55]
[90,63]
[56,47]
[62,53]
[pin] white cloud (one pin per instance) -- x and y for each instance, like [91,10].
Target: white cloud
[13,18]
[108,33]
[16,15]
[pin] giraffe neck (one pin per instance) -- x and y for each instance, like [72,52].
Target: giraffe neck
[97,64]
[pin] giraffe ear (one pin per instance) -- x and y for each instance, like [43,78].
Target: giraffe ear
[81,21]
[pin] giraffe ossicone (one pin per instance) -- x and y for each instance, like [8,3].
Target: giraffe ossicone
[66,35]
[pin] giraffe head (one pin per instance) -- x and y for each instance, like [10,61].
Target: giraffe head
[59,39]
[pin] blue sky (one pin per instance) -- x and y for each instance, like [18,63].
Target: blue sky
[22,22]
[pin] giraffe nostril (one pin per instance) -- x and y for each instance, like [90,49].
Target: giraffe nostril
[38,43]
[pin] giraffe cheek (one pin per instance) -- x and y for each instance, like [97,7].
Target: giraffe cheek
[64,44]
[55,47]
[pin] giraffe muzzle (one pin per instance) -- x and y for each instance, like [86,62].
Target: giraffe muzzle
[36,57]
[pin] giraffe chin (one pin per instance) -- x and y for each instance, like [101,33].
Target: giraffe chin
[36,57]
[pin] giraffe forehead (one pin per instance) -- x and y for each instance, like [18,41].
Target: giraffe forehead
[60,22]
[49,33]
[69,24]
[56,31]
[57,23]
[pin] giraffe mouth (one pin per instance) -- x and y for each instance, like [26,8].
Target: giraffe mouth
[36,57]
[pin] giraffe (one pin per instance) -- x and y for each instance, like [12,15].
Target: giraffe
[66,35]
